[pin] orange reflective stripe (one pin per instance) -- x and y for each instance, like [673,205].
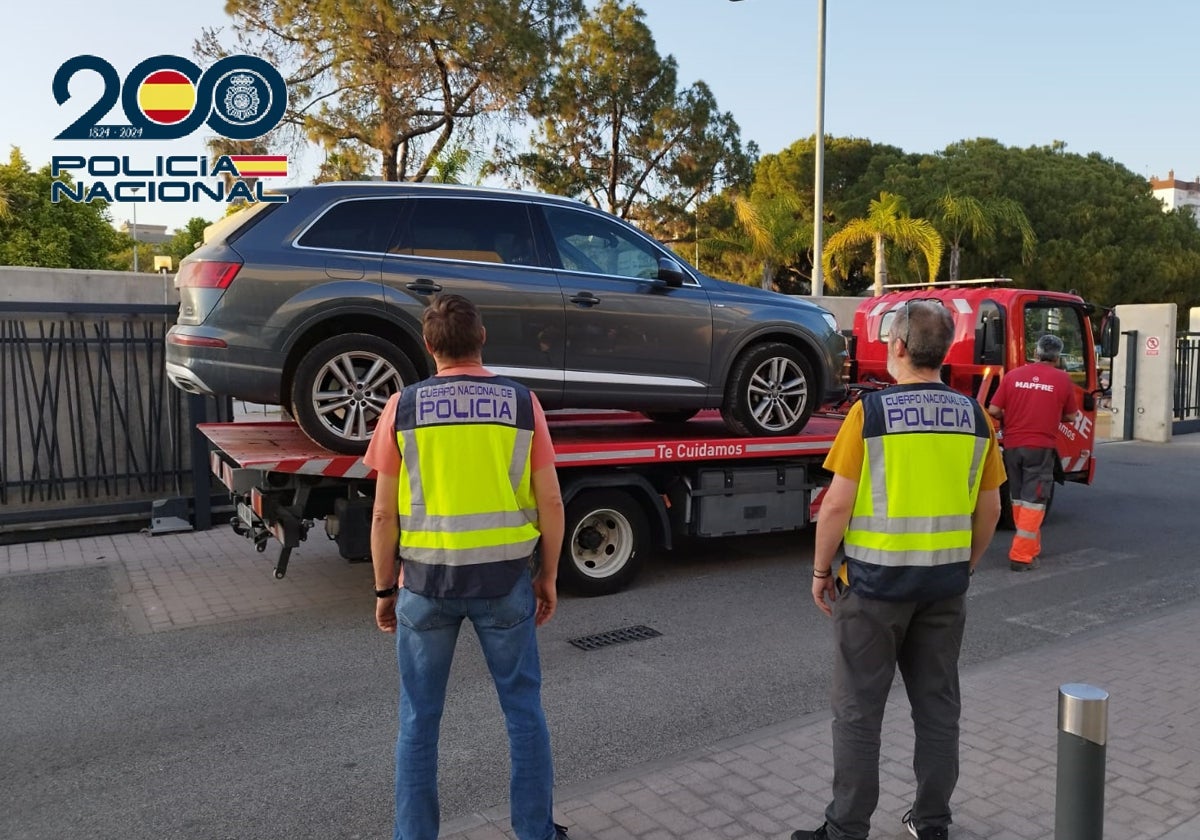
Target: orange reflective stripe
[1027,541]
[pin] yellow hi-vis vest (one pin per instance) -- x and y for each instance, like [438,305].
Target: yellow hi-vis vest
[468,519]
[909,537]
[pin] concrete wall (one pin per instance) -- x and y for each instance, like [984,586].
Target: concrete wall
[1153,353]
[45,285]
[842,307]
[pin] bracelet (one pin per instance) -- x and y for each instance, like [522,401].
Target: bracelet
[822,575]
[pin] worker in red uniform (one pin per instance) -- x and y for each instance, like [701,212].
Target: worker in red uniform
[1030,403]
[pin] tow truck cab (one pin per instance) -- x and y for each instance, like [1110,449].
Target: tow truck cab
[996,329]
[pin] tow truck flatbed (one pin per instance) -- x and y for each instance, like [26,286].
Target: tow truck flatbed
[627,482]
[595,439]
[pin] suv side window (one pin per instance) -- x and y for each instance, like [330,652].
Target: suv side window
[473,229]
[590,243]
[363,225]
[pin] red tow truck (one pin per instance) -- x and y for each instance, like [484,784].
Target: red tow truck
[631,484]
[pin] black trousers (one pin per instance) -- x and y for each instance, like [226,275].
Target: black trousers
[872,638]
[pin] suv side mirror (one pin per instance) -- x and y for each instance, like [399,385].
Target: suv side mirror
[1110,335]
[670,272]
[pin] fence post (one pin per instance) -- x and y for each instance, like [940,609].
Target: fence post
[1082,742]
[201,471]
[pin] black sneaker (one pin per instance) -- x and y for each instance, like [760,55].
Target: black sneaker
[560,832]
[819,834]
[1016,566]
[932,832]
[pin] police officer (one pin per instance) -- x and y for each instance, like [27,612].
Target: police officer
[915,498]
[467,493]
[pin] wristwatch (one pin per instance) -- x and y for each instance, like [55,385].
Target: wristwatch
[387,593]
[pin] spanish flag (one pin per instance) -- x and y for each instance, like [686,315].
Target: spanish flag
[167,97]
[260,166]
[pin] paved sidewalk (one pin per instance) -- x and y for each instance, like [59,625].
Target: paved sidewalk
[770,782]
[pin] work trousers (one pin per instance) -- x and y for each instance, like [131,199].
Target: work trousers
[1030,479]
[871,638]
[426,635]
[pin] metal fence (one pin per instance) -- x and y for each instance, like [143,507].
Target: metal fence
[1187,383]
[90,427]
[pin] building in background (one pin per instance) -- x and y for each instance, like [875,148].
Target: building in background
[1176,194]
[148,234]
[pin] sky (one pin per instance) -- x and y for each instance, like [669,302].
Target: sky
[1117,78]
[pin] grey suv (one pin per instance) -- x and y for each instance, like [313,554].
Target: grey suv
[315,304]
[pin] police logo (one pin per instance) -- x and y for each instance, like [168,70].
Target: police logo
[242,97]
[241,100]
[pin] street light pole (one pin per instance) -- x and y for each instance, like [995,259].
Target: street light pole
[818,274]
[818,278]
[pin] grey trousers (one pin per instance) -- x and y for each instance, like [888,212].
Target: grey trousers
[871,638]
[1030,473]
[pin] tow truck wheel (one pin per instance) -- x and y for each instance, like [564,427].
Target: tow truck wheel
[606,530]
[771,392]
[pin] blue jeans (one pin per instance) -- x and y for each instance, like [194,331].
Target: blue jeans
[426,634]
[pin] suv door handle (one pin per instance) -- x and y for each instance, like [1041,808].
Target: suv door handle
[423,287]
[584,299]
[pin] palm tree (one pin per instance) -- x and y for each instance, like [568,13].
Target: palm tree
[5,210]
[960,216]
[770,232]
[452,165]
[886,221]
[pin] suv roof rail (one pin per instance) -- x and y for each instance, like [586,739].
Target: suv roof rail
[434,186]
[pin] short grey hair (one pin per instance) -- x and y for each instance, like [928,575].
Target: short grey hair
[1049,348]
[927,329]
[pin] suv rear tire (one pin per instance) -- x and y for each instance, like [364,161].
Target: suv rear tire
[681,415]
[771,392]
[341,386]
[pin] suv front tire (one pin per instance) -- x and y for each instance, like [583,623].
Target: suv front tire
[771,391]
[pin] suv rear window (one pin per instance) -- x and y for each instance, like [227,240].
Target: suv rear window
[363,225]
[231,227]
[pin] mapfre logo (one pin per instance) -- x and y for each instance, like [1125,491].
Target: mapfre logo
[167,97]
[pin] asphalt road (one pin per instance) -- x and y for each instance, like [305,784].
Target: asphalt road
[283,727]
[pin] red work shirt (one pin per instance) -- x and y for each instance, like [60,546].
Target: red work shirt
[1035,397]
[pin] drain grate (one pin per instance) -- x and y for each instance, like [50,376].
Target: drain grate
[615,637]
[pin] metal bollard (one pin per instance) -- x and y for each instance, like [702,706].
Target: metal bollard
[1082,740]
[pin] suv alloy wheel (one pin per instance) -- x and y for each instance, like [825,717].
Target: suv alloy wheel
[770,391]
[341,386]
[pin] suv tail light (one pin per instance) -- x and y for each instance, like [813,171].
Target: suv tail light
[207,275]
